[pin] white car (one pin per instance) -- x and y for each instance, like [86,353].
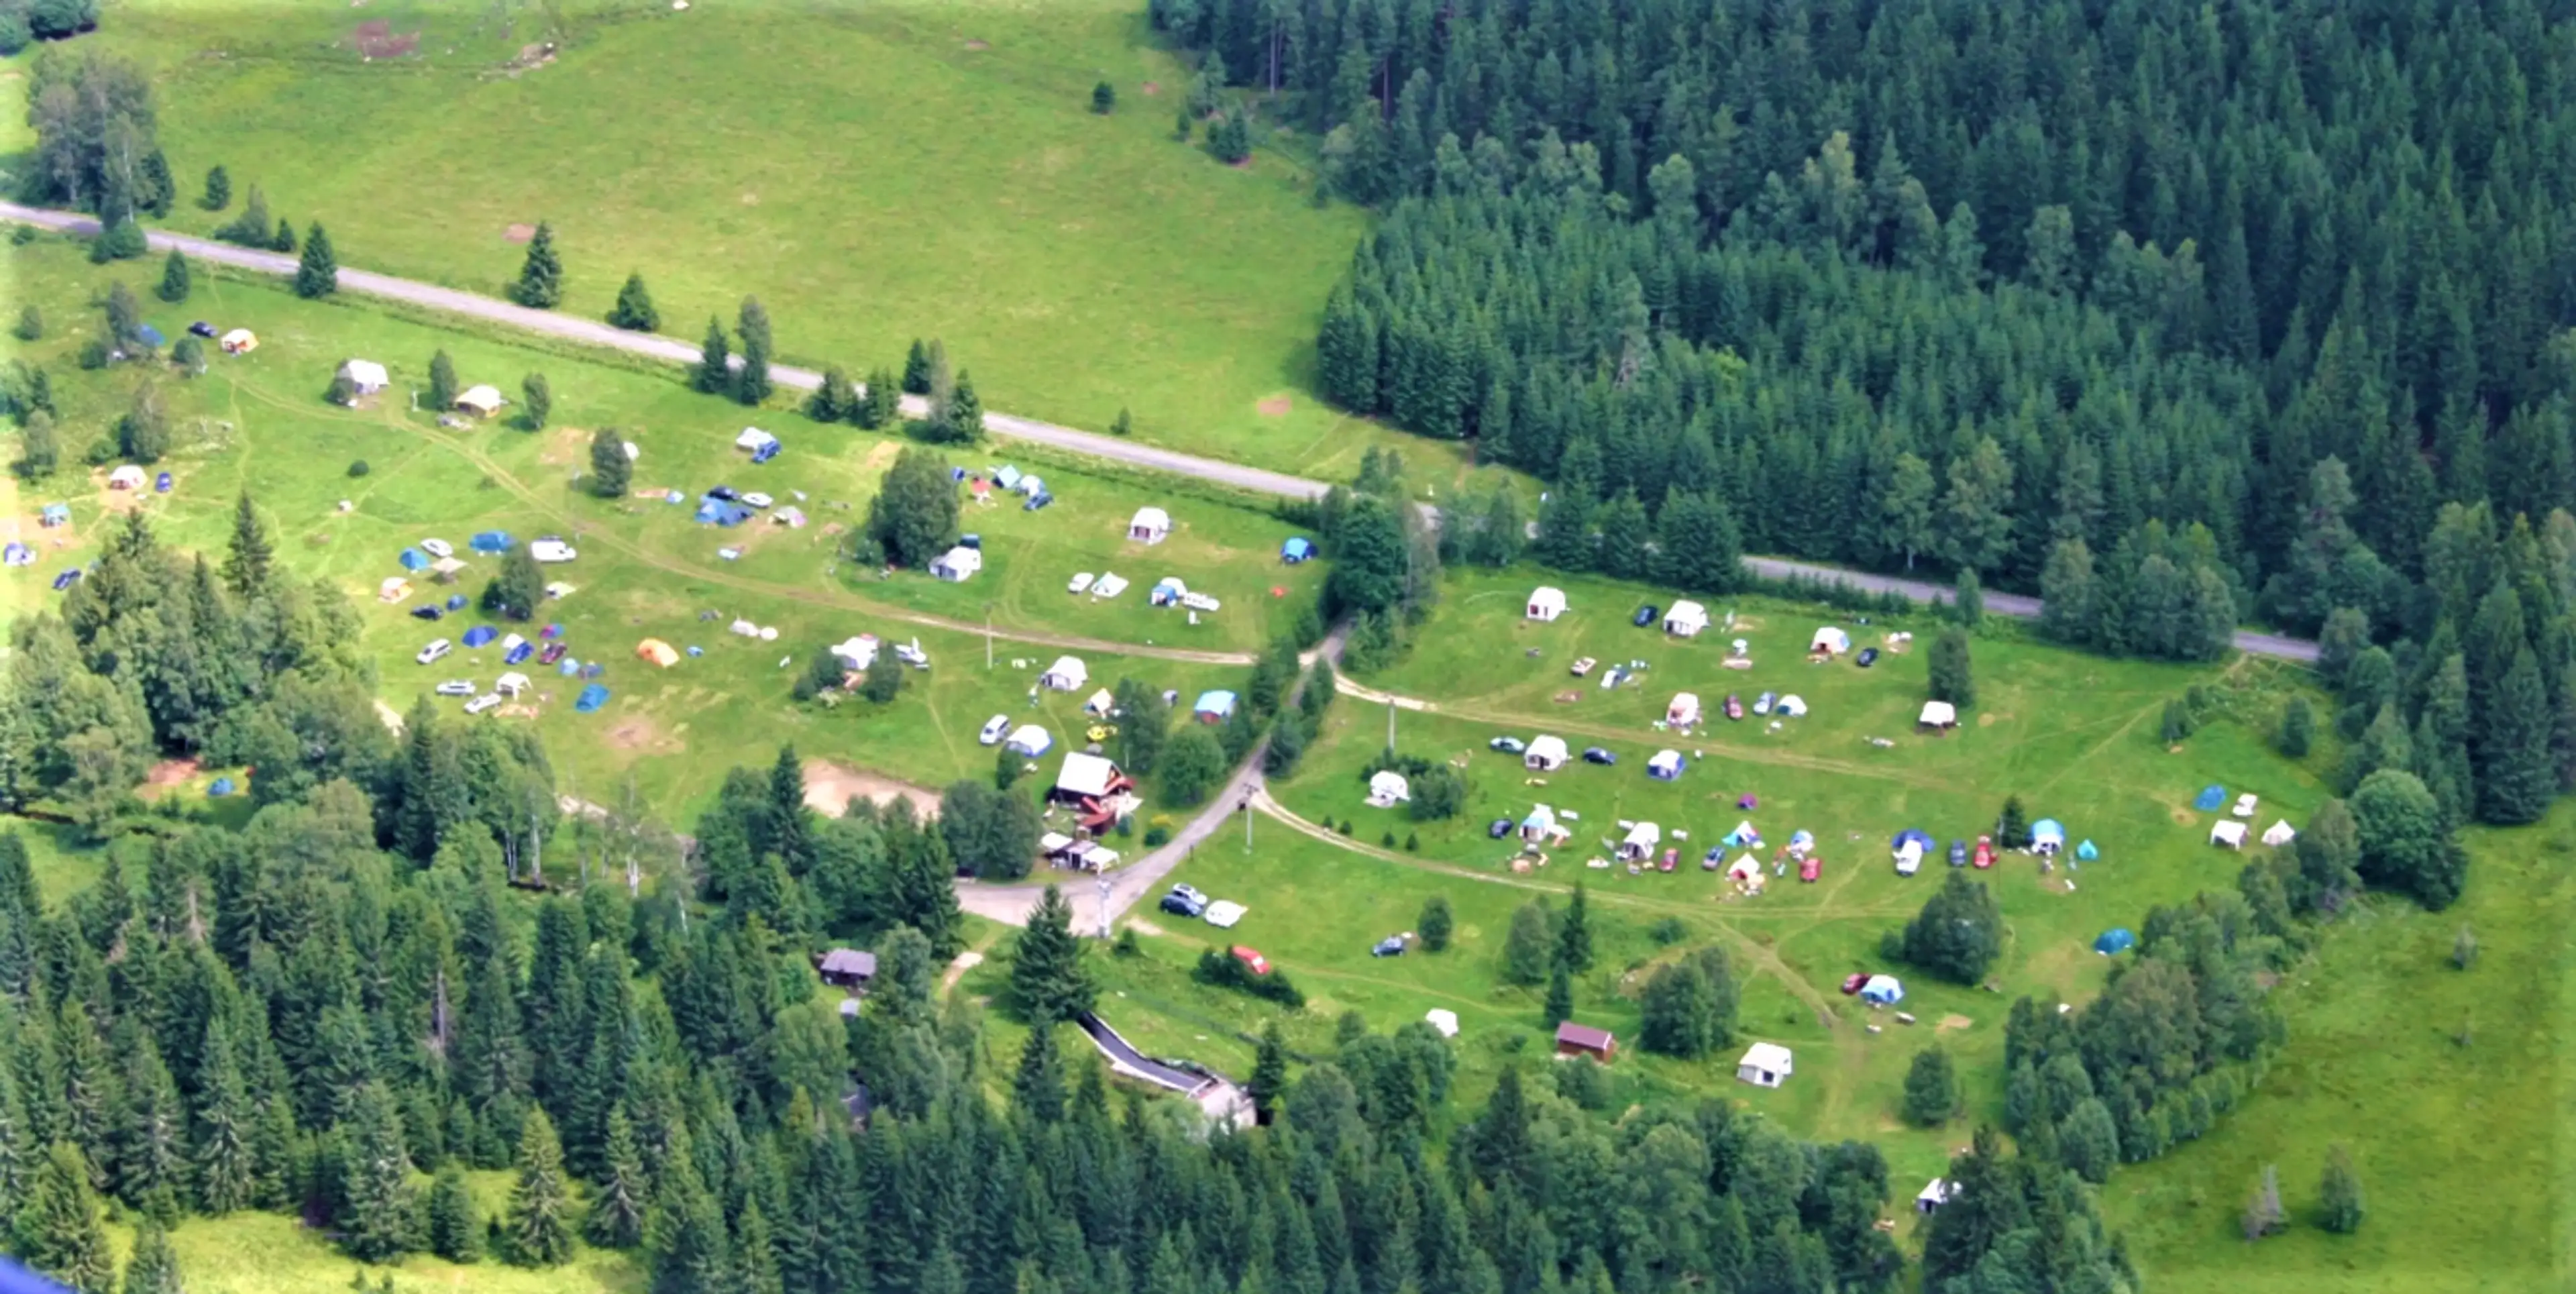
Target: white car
[437,548]
[552,550]
[437,647]
[758,500]
[1078,583]
[457,687]
[482,703]
[995,729]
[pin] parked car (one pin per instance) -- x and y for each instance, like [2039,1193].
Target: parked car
[1509,745]
[202,329]
[438,548]
[1596,755]
[1181,906]
[519,655]
[1252,959]
[1958,853]
[1734,706]
[766,452]
[482,703]
[437,648]
[1080,582]
[67,579]
[1645,615]
[1853,981]
[1671,856]
[1868,657]
[1391,946]
[757,499]
[1193,893]
[553,652]
[1713,859]
[456,687]
[1498,828]
[1584,666]
[431,612]
[1037,501]
[995,728]
[1762,704]
[724,492]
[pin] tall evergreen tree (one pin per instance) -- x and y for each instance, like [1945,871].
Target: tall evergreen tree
[714,373]
[618,1203]
[1049,981]
[246,560]
[174,278]
[540,285]
[634,310]
[154,1268]
[59,1231]
[751,384]
[539,1224]
[318,273]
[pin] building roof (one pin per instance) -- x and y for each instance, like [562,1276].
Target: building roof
[1215,701]
[1570,1034]
[850,961]
[1767,1056]
[1085,774]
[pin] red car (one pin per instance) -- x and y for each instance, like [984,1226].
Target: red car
[1734,707]
[553,652]
[1853,981]
[1671,856]
[1985,851]
[1810,867]
[1252,961]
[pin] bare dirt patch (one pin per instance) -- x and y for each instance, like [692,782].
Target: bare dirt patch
[957,969]
[830,787]
[519,233]
[1276,406]
[377,39]
[1153,87]
[978,46]
[640,733]
[566,446]
[1950,1022]
[1144,927]
[167,776]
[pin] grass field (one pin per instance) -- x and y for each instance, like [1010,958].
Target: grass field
[874,172]
[258,423]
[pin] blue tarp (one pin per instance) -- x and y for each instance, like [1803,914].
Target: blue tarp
[480,634]
[2117,940]
[591,698]
[1296,550]
[490,542]
[2087,852]
[1918,837]
[455,601]
[721,512]
[151,336]
[223,786]
[413,559]
[2211,796]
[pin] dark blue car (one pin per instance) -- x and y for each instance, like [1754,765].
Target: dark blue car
[67,579]
[430,612]
[520,654]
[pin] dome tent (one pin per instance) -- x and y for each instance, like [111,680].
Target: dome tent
[2114,941]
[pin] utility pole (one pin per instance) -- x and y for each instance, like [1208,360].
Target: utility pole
[1390,725]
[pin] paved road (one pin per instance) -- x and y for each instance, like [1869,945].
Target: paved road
[592,332]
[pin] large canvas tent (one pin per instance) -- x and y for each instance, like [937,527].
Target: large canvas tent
[1685,619]
[1765,1064]
[1546,754]
[1546,603]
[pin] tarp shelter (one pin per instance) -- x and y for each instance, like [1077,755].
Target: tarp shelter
[480,634]
[1444,1020]
[128,477]
[1007,476]
[2279,833]
[657,652]
[1388,788]
[1743,837]
[481,401]
[55,514]
[1666,765]
[2227,832]
[1066,675]
[2087,851]
[1539,825]
[1684,711]
[1829,641]
[722,512]
[754,439]
[1546,603]
[2210,797]
[240,341]
[1934,1196]
[1685,619]
[1149,526]
[958,564]
[365,375]
[1546,754]
[591,698]
[1765,1064]
[1296,550]
[1639,844]
[222,787]
[1030,741]
[1792,705]
[2115,941]
[1216,705]
[490,543]
[1938,715]
[1882,990]
[2047,836]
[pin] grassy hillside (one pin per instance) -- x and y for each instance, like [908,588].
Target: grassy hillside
[874,172]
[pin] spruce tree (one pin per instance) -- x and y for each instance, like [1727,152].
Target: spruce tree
[1574,934]
[59,1231]
[1104,98]
[282,239]
[1435,923]
[219,190]
[617,1205]
[377,1217]
[154,1269]
[634,310]
[442,383]
[832,400]
[751,381]
[536,401]
[174,278]
[1560,995]
[1038,1088]
[1931,1088]
[610,470]
[2339,1192]
[1049,981]
[881,403]
[2517,778]
[2298,729]
[539,1222]
[1953,678]
[246,561]
[225,1172]
[916,369]
[318,273]
[540,285]
[31,323]
[1269,1079]
[962,422]
[455,1225]
[714,373]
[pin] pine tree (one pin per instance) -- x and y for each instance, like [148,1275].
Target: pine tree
[540,285]
[246,562]
[31,323]
[219,190]
[714,374]
[634,310]
[2298,729]
[1435,923]
[963,422]
[225,1172]
[2340,1192]
[455,1225]
[1124,424]
[1038,1088]
[318,273]
[834,400]
[539,1221]
[2517,777]
[536,401]
[377,1212]
[154,1269]
[916,369]
[442,383]
[751,382]
[610,469]
[59,1231]
[1560,995]
[1049,981]
[1574,934]
[1931,1088]
[1269,1079]
[1104,98]
[174,278]
[1967,599]
[880,404]
[1953,677]
[618,1205]
[282,239]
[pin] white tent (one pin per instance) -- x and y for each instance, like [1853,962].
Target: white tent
[1792,705]
[128,477]
[1935,1195]
[1149,526]
[1664,764]
[1066,675]
[1830,641]
[958,564]
[511,684]
[2245,805]
[1640,842]
[754,439]
[1684,711]
[1909,856]
[858,652]
[1686,619]
[1939,714]
[2228,832]
[1747,868]
[365,375]
[1387,788]
[1029,741]
[1546,603]
[1765,1064]
[1444,1020]
[1100,704]
[481,401]
[2279,833]
[1085,774]
[1545,754]
[1539,825]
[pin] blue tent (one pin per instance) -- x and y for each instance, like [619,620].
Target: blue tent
[2116,940]
[223,786]
[2087,852]
[150,335]
[480,634]
[455,601]
[1296,550]
[568,667]
[161,484]
[490,542]
[591,698]
[1883,990]
[1919,837]
[2048,835]
[17,554]
[413,559]
[2211,796]
[721,512]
